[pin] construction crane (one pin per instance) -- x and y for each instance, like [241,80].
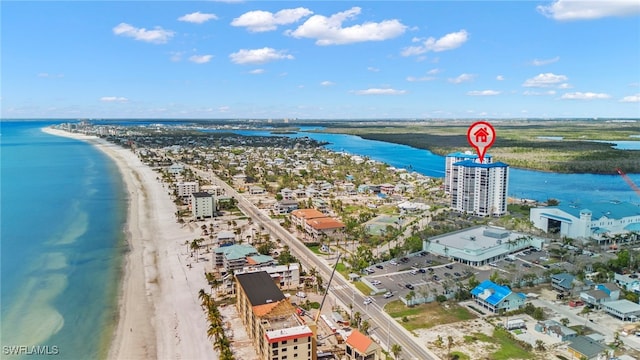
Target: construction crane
[326,291]
[628,180]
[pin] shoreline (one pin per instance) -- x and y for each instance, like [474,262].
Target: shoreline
[159,314]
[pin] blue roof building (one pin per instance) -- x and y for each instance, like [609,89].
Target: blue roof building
[496,297]
[595,220]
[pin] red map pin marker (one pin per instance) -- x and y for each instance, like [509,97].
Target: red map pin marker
[481,135]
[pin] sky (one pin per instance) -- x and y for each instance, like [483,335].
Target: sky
[320,59]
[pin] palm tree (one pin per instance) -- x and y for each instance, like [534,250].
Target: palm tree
[195,246]
[449,343]
[396,350]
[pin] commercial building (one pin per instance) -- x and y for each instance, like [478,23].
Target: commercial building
[594,220]
[203,205]
[277,331]
[480,245]
[285,276]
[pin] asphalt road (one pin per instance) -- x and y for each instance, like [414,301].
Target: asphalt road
[382,325]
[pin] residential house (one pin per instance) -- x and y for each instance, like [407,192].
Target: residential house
[361,347]
[629,282]
[594,297]
[612,290]
[496,297]
[256,190]
[175,169]
[582,347]
[624,310]
[562,282]
[226,237]
[287,194]
[555,329]
[271,321]
[285,206]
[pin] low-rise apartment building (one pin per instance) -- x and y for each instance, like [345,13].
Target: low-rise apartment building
[275,328]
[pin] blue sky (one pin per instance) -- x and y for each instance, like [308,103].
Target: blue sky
[320,59]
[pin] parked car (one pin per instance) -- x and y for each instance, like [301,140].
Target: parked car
[388,294]
[413,272]
[379,266]
[526,265]
[368,301]
[422,271]
[449,266]
[393,262]
[409,286]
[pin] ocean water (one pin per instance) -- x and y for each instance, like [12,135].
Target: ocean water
[63,210]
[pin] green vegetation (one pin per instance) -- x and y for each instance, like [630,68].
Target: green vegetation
[522,144]
[459,355]
[426,316]
[507,346]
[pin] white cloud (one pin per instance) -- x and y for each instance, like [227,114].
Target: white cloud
[462,78]
[584,96]
[200,59]
[258,56]
[483,93]
[261,21]
[224,108]
[378,91]
[545,80]
[329,30]
[418,79]
[256,71]
[500,78]
[631,98]
[176,56]
[538,93]
[197,17]
[541,62]
[373,69]
[111,99]
[327,83]
[156,36]
[588,10]
[448,42]
[434,71]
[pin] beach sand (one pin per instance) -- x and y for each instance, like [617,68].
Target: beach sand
[159,312]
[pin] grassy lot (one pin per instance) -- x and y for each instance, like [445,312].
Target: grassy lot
[426,316]
[506,348]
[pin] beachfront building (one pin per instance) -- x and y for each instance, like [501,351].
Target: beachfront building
[285,276]
[228,259]
[184,189]
[203,205]
[497,298]
[359,346]
[628,282]
[600,221]
[480,245]
[624,310]
[479,189]
[600,294]
[457,157]
[272,323]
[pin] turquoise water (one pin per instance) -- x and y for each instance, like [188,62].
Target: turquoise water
[63,210]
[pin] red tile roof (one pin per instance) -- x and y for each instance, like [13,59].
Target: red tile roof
[359,341]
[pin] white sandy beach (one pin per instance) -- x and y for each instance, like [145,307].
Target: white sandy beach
[160,315]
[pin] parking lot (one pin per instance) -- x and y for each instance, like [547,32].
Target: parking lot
[424,274]
[429,275]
